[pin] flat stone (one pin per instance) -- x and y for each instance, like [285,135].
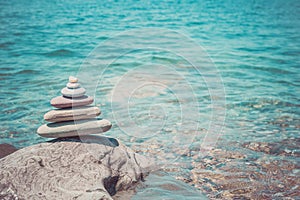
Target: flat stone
[73,85]
[79,92]
[73,79]
[69,114]
[71,128]
[64,102]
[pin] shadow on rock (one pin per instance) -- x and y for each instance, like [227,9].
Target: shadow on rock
[112,142]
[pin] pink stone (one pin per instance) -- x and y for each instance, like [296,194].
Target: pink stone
[64,102]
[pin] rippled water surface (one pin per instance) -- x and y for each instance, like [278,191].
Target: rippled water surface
[253,44]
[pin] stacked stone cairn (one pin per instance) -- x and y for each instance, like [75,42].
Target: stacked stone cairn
[74,116]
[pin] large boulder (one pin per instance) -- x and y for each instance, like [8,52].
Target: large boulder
[88,167]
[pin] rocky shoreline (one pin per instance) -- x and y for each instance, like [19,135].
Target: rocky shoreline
[78,165]
[249,170]
[221,174]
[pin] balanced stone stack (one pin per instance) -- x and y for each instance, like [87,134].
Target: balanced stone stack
[74,116]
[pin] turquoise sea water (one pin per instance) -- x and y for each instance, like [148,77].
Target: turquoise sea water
[254,45]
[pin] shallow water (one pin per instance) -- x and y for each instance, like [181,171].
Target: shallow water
[254,45]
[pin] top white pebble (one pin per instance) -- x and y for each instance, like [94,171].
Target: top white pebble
[73,79]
